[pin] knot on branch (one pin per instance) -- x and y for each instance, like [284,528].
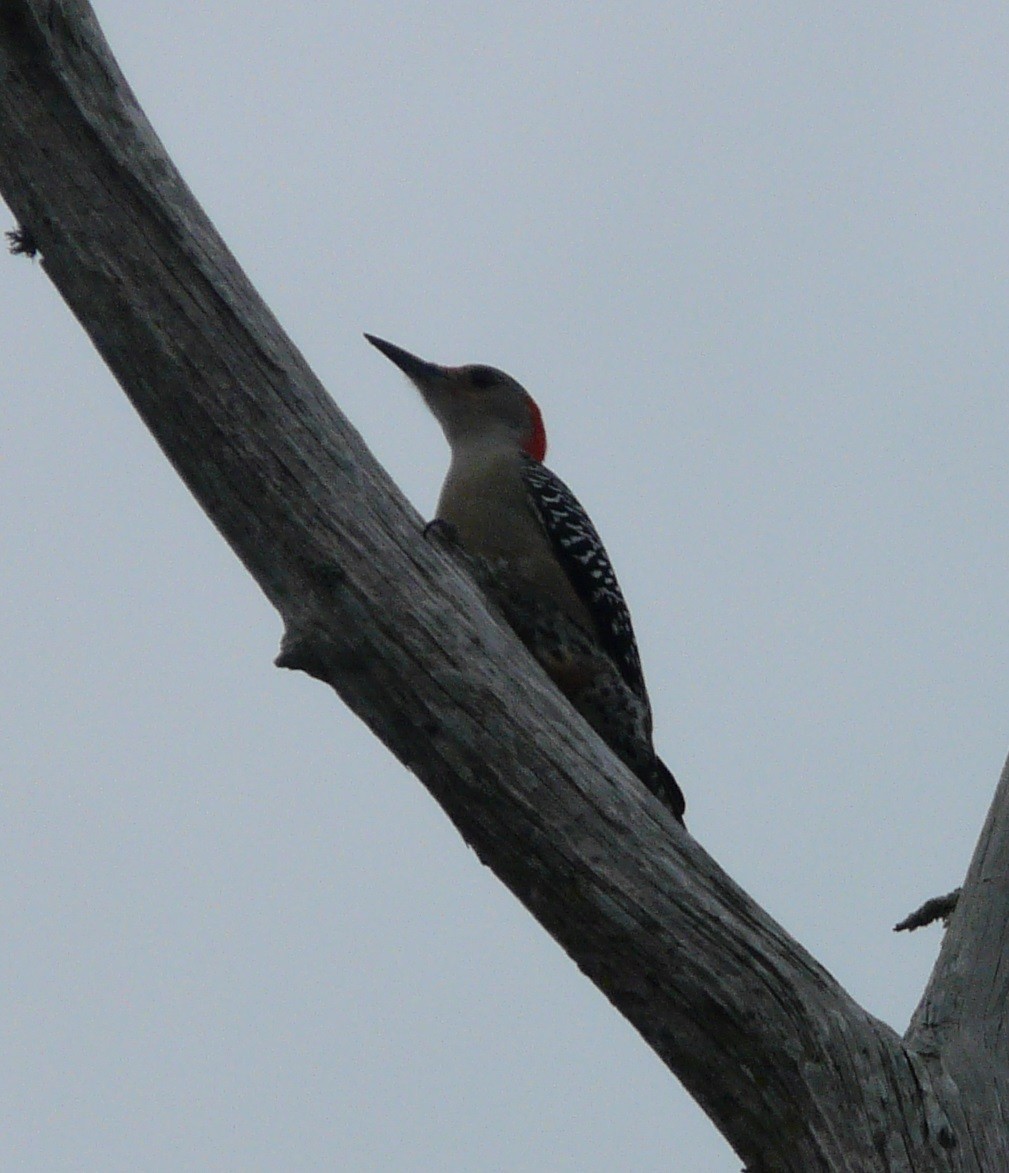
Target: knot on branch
[21,242]
[300,652]
[931,910]
[310,650]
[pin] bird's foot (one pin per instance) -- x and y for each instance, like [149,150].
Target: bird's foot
[441,532]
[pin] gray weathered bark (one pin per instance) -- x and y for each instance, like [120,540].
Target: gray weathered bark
[790,1069]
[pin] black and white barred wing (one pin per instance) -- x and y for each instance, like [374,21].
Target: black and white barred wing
[581,552]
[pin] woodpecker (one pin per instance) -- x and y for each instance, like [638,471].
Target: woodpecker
[536,554]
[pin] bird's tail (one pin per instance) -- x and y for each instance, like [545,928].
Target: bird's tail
[662,784]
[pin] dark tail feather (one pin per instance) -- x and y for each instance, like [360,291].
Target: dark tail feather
[664,786]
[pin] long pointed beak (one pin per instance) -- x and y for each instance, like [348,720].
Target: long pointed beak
[419,370]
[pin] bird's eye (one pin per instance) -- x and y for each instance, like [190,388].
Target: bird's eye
[482,377]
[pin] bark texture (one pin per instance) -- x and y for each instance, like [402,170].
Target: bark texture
[793,1072]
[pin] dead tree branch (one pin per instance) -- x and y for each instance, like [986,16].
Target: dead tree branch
[791,1070]
[938,908]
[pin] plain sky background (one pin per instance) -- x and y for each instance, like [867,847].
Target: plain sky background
[753,261]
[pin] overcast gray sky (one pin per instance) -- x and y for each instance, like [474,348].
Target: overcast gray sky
[751,260]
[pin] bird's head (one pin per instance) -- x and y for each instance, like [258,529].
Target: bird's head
[473,404]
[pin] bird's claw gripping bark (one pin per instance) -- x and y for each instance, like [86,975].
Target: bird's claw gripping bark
[442,532]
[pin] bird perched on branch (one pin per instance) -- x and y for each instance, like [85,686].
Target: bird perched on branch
[537,555]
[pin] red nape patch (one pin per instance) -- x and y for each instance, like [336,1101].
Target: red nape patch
[535,444]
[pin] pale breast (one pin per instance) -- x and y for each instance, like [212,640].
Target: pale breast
[487,502]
